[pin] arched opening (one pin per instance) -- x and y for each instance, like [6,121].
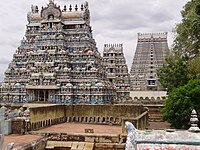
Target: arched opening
[74,119]
[99,120]
[82,119]
[111,119]
[107,120]
[103,120]
[90,121]
[86,119]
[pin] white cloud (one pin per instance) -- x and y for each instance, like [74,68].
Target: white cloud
[112,21]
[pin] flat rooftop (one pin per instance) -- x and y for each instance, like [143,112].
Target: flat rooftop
[20,140]
[80,128]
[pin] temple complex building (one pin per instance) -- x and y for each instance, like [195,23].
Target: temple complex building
[58,60]
[117,70]
[149,56]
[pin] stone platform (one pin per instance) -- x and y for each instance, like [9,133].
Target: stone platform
[80,128]
[21,140]
[71,136]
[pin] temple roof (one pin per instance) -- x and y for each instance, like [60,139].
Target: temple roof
[53,12]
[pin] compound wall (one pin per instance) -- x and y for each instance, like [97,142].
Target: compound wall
[97,114]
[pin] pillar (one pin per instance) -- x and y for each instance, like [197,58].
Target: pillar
[38,95]
[44,92]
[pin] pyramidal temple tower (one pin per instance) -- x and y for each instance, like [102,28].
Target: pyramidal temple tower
[117,70]
[149,56]
[57,60]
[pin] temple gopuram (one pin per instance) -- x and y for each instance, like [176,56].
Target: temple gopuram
[149,56]
[117,69]
[58,60]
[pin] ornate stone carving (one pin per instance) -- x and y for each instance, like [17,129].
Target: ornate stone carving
[51,11]
[149,56]
[51,55]
[194,122]
[131,137]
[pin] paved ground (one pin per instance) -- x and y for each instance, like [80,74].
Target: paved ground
[20,140]
[80,128]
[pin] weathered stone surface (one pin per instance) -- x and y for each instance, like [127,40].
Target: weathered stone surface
[18,126]
[1,141]
[5,127]
[2,113]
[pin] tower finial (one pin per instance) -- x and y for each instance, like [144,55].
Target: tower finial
[51,1]
[65,8]
[70,7]
[76,7]
[81,7]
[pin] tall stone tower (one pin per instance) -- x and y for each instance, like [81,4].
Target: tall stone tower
[57,60]
[149,56]
[117,70]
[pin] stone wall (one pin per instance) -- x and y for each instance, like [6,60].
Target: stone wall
[97,114]
[140,100]
[5,124]
[46,116]
[5,127]
[102,114]
[1,141]
[18,126]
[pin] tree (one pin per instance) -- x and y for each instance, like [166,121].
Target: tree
[194,68]
[187,41]
[173,73]
[198,10]
[182,65]
[180,102]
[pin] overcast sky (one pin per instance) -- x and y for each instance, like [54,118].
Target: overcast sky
[112,21]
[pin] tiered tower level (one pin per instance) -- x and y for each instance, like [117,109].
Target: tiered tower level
[149,56]
[116,68]
[57,60]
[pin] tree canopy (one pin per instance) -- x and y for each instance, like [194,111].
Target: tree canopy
[182,65]
[180,102]
[187,41]
[194,68]
[173,73]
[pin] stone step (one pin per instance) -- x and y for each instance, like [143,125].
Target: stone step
[81,145]
[89,146]
[74,145]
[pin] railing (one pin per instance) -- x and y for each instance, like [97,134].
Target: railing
[140,122]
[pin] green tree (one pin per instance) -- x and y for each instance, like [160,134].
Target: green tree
[194,68]
[187,41]
[182,65]
[173,73]
[180,102]
[198,9]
